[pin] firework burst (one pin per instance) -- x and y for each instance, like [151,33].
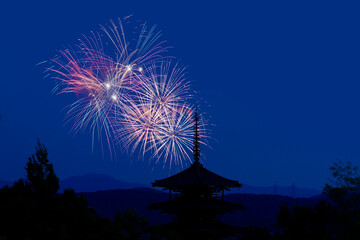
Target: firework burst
[134,95]
[176,135]
[165,86]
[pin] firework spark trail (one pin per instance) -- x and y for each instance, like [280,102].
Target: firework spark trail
[139,127]
[176,135]
[165,86]
[147,49]
[104,82]
[155,117]
[101,87]
[134,95]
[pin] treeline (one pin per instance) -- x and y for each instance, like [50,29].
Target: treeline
[32,209]
[337,218]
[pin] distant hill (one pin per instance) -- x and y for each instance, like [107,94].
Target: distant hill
[260,210]
[90,183]
[108,196]
[108,203]
[290,191]
[101,182]
[96,182]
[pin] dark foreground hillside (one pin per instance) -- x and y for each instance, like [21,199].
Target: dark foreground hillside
[260,210]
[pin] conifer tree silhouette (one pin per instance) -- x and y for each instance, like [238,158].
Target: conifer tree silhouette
[40,172]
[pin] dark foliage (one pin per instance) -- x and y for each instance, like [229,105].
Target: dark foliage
[32,209]
[335,218]
[40,173]
[255,233]
[131,225]
[305,222]
[338,218]
[344,187]
[157,233]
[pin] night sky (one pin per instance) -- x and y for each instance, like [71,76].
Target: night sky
[281,82]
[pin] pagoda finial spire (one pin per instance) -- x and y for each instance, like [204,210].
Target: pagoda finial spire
[196,147]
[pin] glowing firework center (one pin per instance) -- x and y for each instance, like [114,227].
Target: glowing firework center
[129,93]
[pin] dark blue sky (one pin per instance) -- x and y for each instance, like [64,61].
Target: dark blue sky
[282,80]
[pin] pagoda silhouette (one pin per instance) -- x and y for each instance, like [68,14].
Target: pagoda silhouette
[197,204]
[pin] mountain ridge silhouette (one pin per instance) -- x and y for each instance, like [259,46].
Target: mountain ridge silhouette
[100,182]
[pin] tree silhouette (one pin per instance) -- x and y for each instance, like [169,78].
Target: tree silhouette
[344,190]
[32,209]
[131,224]
[305,222]
[344,186]
[40,172]
[336,218]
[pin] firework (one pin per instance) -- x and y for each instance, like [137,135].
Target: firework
[128,91]
[176,135]
[165,86]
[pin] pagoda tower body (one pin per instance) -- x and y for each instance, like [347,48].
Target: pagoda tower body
[197,204]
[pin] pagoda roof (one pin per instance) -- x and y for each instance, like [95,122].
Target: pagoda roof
[196,174]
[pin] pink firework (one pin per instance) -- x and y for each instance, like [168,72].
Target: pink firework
[129,92]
